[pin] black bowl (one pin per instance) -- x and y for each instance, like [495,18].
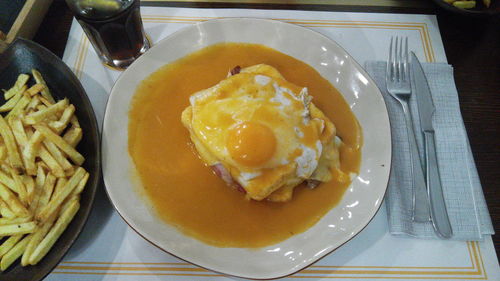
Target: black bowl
[22,56]
[479,11]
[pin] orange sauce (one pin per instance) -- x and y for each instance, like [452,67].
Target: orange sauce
[185,192]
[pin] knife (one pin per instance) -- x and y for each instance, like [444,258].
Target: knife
[426,109]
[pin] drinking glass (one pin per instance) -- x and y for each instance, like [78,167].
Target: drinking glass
[114,27]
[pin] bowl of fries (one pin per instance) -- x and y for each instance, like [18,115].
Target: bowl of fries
[471,7]
[49,160]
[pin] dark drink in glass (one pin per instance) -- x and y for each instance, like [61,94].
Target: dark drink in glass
[114,27]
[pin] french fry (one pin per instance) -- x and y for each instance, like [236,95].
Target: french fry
[29,183]
[3,152]
[73,136]
[40,174]
[14,253]
[21,138]
[9,105]
[8,181]
[47,190]
[67,114]
[39,79]
[464,4]
[74,121]
[19,184]
[30,151]
[9,243]
[43,165]
[4,167]
[18,228]
[81,185]
[18,131]
[60,125]
[29,132]
[74,155]
[54,167]
[41,115]
[18,85]
[13,153]
[35,89]
[46,102]
[11,200]
[70,173]
[7,170]
[40,177]
[37,236]
[58,155]
[35,101]
[41,106]
[58,199]
[19,134]
[39,182]
[21,81]
[67,203]
[61,182]
[20,106]
[5,210]
[7,221]
[56,231]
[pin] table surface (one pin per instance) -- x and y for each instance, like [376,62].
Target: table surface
[471,46]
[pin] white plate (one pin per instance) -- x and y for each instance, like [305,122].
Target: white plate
[360,202]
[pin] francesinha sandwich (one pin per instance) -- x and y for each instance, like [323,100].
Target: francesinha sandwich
[263,134]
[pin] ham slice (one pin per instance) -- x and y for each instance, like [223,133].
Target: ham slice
[224,174]
[235,70]
[312,183]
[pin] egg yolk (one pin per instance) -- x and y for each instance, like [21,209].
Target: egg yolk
[251,143]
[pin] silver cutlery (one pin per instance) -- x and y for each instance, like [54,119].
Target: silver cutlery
[426,109]
[398,85]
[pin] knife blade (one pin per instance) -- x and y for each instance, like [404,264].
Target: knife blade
[426,109]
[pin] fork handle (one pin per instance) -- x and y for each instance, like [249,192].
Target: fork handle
[421,212]
[439,214]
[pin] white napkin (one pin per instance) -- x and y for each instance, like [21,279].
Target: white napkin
[462,190]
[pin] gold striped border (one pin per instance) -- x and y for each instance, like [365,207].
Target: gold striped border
[183,269]
[314,271]
[420,27]
[469,250]
[81,57]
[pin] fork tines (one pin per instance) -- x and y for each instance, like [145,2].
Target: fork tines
[397,66]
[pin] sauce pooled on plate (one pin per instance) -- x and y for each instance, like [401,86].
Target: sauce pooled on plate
[186,193]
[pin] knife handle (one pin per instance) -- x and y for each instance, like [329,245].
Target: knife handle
[420,197]
[439,214]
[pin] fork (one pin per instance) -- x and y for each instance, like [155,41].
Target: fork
[399,86]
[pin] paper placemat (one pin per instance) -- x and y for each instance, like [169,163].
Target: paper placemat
[108,249]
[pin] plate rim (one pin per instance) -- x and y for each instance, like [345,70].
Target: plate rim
[272,21]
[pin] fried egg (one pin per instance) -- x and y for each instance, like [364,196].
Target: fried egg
[262,133]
